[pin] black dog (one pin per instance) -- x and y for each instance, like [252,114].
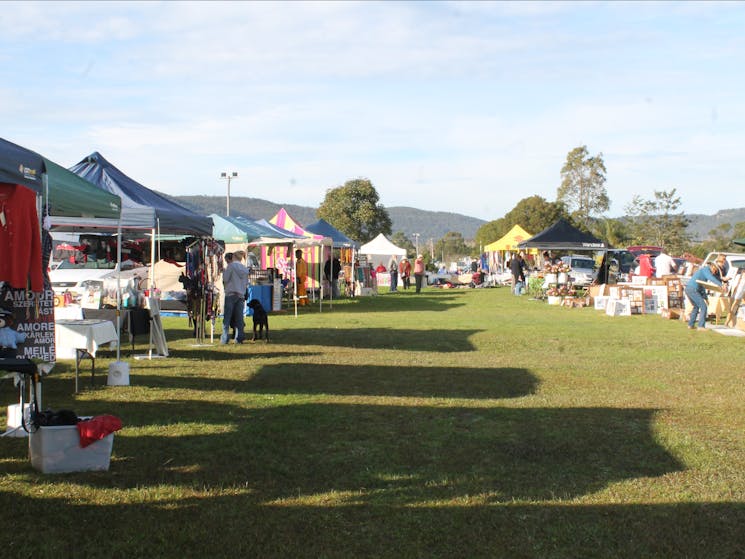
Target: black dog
[261,320]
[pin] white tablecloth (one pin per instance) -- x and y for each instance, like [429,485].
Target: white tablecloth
[86,334]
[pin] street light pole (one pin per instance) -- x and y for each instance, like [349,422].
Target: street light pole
[416,243]
[228,176]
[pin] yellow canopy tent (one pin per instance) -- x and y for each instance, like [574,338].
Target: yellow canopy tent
[508,243]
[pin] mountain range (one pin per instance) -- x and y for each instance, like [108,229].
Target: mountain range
[410,221]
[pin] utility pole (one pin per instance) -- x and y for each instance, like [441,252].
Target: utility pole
[416,243]
[225,175]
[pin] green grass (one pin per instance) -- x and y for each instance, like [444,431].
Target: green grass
[453,423]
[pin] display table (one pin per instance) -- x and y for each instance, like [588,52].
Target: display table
[82,338]
[134,321]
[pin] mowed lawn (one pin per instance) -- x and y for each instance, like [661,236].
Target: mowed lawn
[453,423]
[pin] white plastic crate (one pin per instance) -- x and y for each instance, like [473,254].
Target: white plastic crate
[56,450]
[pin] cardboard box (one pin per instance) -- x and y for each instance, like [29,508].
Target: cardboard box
[56,450]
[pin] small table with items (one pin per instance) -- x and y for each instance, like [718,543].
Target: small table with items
[84,336]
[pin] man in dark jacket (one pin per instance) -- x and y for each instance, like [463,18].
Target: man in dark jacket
[517,267]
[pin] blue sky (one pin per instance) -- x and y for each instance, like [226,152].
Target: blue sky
[462,107]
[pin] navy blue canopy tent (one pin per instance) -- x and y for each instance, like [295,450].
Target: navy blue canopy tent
[562,235]
[142,208]
[323,227]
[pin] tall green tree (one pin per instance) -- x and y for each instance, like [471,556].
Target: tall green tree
[613,231]
[354,209]
[451,247]
[400,239]
[582,187]
[659,221]
[490,232]
[534,214]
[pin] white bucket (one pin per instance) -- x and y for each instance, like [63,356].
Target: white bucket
[118,374]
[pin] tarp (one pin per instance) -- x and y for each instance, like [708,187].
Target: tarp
[380,250]
[231,229]
[562,235]
[515,236]
[323,227]
[141,207]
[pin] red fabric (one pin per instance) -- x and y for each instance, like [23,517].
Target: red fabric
[20,242]
[645,266]
[97,428]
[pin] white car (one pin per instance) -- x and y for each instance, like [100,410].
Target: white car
[581,269]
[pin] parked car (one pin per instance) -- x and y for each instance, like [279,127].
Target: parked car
[581,269]
[736,261]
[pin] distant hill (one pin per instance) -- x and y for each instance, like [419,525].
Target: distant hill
[429,225]
[701,224]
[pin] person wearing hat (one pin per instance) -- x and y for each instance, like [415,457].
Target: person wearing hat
[404,272]
[418,272]
[697,293]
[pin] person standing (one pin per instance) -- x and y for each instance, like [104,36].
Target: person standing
[664,265]
[235,280]
[517,268]
[697,293]
[404,272]
[393,271]
[418,272]
[331,271]
[301,276]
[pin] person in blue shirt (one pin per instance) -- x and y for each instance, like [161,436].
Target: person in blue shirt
[697,293]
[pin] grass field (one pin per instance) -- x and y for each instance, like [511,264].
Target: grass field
[453,423]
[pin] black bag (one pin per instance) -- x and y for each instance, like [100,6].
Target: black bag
[51,418]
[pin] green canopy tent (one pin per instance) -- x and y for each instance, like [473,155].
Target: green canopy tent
[740,242]
[74,203]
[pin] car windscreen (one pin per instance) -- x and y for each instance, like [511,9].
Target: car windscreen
[582,263]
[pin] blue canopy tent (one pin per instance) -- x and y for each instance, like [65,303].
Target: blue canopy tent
[323,227]
[231,229]
[142,208]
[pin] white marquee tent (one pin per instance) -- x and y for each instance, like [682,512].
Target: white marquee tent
[380,249]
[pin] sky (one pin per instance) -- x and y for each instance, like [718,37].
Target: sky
[444,106]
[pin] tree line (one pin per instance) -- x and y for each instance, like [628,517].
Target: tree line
[581,198]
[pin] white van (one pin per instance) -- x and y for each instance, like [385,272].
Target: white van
[736,261]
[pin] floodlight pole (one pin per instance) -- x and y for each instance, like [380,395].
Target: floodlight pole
[228,175]
[416,241]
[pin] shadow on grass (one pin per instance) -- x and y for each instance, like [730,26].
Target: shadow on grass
[344,380]
[379,476]
[409,381]
[191,527]
[396,455]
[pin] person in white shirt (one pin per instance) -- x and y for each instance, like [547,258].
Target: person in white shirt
[664,264]
[235,280]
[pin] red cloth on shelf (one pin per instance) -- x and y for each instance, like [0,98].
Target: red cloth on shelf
[96,428]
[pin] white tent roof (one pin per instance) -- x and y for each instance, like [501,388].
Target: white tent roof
[381,249]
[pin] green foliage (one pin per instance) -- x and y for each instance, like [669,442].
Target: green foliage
[582,187]
[354,210]
[451,247]
[400,239]
[534,214]
[613,231]
[491,231]
[658,222]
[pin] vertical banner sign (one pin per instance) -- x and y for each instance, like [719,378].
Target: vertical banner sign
[33,315]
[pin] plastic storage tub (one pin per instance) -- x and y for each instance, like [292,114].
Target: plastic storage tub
[56,450]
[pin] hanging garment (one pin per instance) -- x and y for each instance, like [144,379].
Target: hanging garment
[20,242]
